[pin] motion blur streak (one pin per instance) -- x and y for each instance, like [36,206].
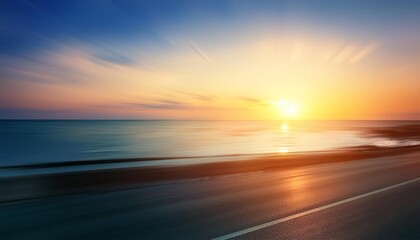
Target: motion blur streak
[211,207]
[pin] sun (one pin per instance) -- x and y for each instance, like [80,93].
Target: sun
[286,108]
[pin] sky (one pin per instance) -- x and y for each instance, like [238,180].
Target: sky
[127,59]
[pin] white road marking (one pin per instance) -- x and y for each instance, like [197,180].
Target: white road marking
[294,216]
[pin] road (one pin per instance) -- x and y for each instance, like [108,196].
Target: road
[369,199]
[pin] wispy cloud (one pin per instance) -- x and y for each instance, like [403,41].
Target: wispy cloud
[364,52]
[114,58]
[254,100]
[346,53]
[200,97]
[354,53]
[160,104]
[199,51]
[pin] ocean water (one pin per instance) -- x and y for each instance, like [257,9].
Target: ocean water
[44,141]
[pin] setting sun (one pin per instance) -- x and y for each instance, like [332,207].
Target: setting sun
[286,108]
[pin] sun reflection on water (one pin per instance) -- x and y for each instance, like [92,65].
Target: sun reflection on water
[283,150]
[284,127]
[284,138]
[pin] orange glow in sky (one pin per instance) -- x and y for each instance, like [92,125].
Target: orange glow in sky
[259,67]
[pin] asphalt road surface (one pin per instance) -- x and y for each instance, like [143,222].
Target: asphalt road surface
[368,199]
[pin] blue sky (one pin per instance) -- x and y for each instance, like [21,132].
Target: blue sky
[28,26]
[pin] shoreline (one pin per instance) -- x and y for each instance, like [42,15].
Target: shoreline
[52,184]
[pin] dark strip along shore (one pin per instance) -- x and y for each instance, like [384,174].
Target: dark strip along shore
[33,186]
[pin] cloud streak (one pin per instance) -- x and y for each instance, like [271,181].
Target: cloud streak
[353,53]
[161,104]
[199,51]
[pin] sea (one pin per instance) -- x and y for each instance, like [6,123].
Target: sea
[25,142]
